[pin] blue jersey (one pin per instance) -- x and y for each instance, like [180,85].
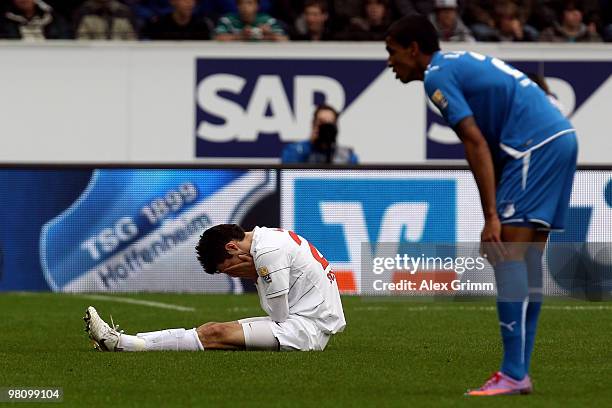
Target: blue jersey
[512,112]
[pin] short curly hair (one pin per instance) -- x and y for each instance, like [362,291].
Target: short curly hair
[211,248]
[417,28]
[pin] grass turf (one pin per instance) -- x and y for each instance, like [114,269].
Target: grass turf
[393,353]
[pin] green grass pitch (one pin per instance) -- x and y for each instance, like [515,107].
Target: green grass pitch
[393,353]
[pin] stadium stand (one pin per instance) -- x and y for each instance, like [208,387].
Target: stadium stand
[485,20]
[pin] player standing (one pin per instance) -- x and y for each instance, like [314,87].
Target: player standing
[296,286]
[522,153]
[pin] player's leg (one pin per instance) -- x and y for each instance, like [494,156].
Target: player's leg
[534,192]
[254,333]
[107,338]
[511,276]
[512,280]
[561,154]
[533,258]
[249,334]
[555,166]
[512,301]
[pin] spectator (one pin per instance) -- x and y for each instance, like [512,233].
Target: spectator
[607,21]
[180,24]
[480,17]
[322,147]
[65,8]
[405,7]
[509,26]
[32,20]
[448,23]
[371,25]
[544,13]
[144,11]
[571,27]
[104,20]
[287,10]
[344,10]
[312,25]
[249,25]
[219,8]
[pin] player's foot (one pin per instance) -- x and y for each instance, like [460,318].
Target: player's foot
[104,337]
[501,384]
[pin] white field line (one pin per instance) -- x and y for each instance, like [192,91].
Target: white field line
[148,303]
[356,309]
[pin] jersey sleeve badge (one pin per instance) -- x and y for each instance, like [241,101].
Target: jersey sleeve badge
[439,99]
[265,274]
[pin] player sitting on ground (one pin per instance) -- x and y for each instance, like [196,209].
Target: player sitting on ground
[296,286]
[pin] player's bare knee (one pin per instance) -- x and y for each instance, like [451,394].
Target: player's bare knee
[204,330]
[213,332]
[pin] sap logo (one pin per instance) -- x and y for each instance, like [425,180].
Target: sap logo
[344,216]
[253,107]
[268,109]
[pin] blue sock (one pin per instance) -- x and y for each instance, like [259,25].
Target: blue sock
[512,295]
[534,269]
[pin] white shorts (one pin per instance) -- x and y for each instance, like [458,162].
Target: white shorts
[295,333]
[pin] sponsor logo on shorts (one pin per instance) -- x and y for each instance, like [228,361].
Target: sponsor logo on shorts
[509,211]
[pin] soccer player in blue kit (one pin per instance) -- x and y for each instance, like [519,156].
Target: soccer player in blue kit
[522,152]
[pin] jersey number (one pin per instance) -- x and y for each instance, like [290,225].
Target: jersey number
[315,254]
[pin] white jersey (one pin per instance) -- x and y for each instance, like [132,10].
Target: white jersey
[288,264]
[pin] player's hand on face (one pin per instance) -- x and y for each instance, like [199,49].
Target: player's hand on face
[245,269]
[491,245]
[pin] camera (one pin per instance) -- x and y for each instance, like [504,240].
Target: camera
[325,143]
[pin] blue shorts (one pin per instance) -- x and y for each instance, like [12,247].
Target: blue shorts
[534,190]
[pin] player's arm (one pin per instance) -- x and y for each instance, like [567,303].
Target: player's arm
[480,160]
[273,266]
[279,308]
[445,91]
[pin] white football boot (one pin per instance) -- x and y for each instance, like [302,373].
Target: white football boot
[104,337]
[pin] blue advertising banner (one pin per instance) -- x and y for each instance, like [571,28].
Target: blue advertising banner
[119,229]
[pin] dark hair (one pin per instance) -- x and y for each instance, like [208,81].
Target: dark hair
[415,28]
[321,4]
[323,107]
[211,247]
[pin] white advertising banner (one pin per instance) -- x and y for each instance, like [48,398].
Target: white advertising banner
[210,102]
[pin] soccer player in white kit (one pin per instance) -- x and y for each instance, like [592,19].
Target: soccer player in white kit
[297,290]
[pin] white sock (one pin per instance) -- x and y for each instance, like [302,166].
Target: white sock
[171,339]
[131,343]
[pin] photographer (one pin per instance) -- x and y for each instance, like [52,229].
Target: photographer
[322,147]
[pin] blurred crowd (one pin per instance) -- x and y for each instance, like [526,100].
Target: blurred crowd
[303,20]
